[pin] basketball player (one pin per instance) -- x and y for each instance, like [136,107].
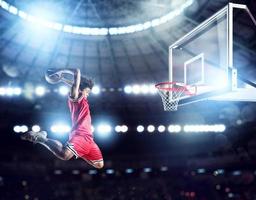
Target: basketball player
[80,143]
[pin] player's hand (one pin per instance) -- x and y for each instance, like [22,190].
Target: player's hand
[53,76]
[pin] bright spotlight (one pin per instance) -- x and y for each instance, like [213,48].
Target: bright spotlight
[237,173]
[151,128]
[2,91]
[92,171]
[174,128]
[220,128]
[164,168]
[110,171]
[16,129]
[63,90]
[161,128]
[201,171]
[9,91]
[140,128]
[136,89]
[129,171]
[118,128]
[40,91]
[13,10]
[23,128]
[124,128]
[36,128]
[92,128]
[152,89]
[144,89]
[96,90]
[128,89]
[17,91]
[60,128]
[104,130]
[205,128]
[147,170]
[5,5]
[186,128]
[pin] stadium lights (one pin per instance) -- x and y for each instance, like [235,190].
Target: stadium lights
[147,170]
[97,31]
[161,128]
[201,171]
[92,171]
[205,128]
[237,173]
[17,91]
[129,171]
[118,129]
[96,90]
[140,128]
[5,5]
[20,129]
[104,130]
[164,168]
[57,172]
[36,128]
[13,10]
[40,91]
[144,89]
[218,172]
[110,171]
[140,89]
[136,89]
[152,89]
[128,89]
[63,90]
[151,128]
[60,128]
[23,128]
[75,172]
[22,14]
[122,128]
[9,91]
[174,128]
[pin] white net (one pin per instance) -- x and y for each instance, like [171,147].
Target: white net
[170,95]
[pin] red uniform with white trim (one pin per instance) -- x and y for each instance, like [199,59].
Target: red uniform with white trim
[81,141]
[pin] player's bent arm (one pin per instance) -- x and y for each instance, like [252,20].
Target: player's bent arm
[75,87]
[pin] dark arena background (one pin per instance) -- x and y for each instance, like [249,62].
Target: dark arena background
[203,151]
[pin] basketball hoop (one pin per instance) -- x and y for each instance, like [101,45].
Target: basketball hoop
[171,93]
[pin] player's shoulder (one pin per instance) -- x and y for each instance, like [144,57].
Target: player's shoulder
[75,100]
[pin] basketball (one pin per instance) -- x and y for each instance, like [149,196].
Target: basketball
[52,77]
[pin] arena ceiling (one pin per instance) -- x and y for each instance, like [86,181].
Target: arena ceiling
[112,60]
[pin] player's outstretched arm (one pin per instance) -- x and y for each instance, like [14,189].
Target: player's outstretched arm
[75,87]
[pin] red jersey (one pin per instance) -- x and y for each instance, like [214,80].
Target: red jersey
[81,117]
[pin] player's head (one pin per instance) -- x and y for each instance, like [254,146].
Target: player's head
[86,85]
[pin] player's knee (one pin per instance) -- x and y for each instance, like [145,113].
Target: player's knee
[99,165]
[66,156]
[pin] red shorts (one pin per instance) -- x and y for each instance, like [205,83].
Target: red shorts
[85,148]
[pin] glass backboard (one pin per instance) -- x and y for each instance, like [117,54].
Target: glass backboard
[206,58]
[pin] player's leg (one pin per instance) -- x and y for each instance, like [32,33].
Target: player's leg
[94,157]
[56,147]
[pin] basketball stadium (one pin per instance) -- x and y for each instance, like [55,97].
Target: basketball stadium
[128,100]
